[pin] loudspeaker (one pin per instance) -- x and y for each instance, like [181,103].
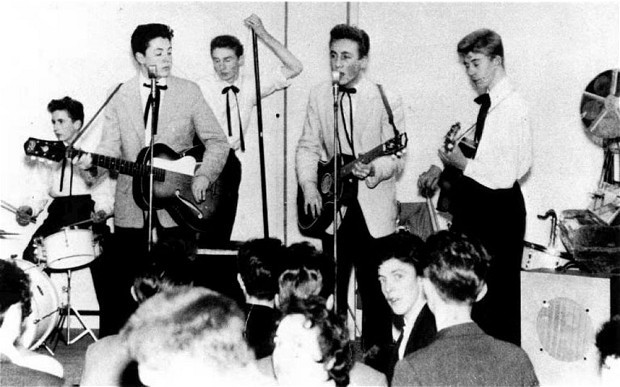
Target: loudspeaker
[560,316]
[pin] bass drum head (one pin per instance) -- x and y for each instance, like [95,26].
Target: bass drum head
[45,303]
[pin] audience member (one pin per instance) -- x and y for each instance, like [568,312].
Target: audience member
[400,270]
[608,344]
[461,354]
[191,336]
[20,366]
[107,361]
[310,273]
[258,264]
[312,347]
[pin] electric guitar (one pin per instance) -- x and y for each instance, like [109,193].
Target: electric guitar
[450,174]
[172,178]
[346,191]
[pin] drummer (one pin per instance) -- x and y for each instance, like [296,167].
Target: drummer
[77,198]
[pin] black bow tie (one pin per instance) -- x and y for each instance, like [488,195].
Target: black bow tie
[160,87]
[483,99]
[234,89]
[348,90]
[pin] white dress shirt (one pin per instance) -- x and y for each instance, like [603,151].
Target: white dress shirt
[144,96]
[505,150]
[212,90]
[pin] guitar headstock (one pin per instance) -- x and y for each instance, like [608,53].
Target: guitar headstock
[450,137]
[396,144]
[51,150]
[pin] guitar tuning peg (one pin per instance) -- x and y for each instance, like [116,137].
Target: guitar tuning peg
[34,158]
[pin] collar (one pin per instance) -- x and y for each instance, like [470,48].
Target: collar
[465,329]
[222,84]
[500,91]
[160,81]
[415,312]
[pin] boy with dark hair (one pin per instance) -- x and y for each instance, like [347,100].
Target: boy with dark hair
[462,353]
[182,114]
[18,364]
[76,196]
[231,93]
[258,263]
[363,124]
[400,271]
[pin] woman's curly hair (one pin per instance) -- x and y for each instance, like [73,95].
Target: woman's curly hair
[333,335]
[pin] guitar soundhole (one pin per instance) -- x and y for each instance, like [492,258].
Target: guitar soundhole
[326,183]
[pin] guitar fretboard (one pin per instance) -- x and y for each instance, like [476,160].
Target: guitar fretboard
[124,167]
[365,159]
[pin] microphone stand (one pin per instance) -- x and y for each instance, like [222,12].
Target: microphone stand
[336,167]
[154,116]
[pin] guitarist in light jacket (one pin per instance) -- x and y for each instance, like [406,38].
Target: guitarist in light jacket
[372,214]
[183,113]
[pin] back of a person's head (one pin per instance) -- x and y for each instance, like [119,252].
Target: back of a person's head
[188,327]
[608,339]
[456,265]
[306,272]
[333,336]
[144,33]
[403,246]
[259,263]
[14,288]
[227,41]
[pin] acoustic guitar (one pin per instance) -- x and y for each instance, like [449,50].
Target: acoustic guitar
[450,175]
[172,178]
[346,189]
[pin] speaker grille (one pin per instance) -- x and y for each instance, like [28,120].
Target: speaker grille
[565,329]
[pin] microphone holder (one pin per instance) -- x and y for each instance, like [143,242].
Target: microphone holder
[335,185]
[154,116]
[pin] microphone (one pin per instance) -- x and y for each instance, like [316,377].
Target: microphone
[152,70]
[335,80]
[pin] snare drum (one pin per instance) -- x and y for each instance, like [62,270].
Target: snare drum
[69,249]
[539,257]
[45,303]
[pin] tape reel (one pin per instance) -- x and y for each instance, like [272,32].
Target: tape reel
[600,105]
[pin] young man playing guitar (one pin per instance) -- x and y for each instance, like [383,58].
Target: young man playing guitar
[485,197]
[363,123]
[183,113]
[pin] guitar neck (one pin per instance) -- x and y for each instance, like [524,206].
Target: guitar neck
[124,167]
[364,159]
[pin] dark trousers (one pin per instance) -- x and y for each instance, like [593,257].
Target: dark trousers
[358,249]
[497,219]
[125,256]
[63,212]
[223,219]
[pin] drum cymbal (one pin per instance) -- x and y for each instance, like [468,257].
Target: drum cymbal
[600,105]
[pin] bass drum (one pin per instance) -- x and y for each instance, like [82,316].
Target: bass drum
[45,306]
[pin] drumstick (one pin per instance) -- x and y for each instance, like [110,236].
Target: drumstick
[78,223]
[11,208]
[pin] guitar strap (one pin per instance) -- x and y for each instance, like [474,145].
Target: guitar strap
[388,109]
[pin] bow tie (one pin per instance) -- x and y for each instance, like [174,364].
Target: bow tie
[348,90]
[234,89]
[483,99]
[160,87]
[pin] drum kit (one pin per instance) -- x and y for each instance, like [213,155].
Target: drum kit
[66,250]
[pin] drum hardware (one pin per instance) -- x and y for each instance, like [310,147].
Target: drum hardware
[65,312]
[540,257]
